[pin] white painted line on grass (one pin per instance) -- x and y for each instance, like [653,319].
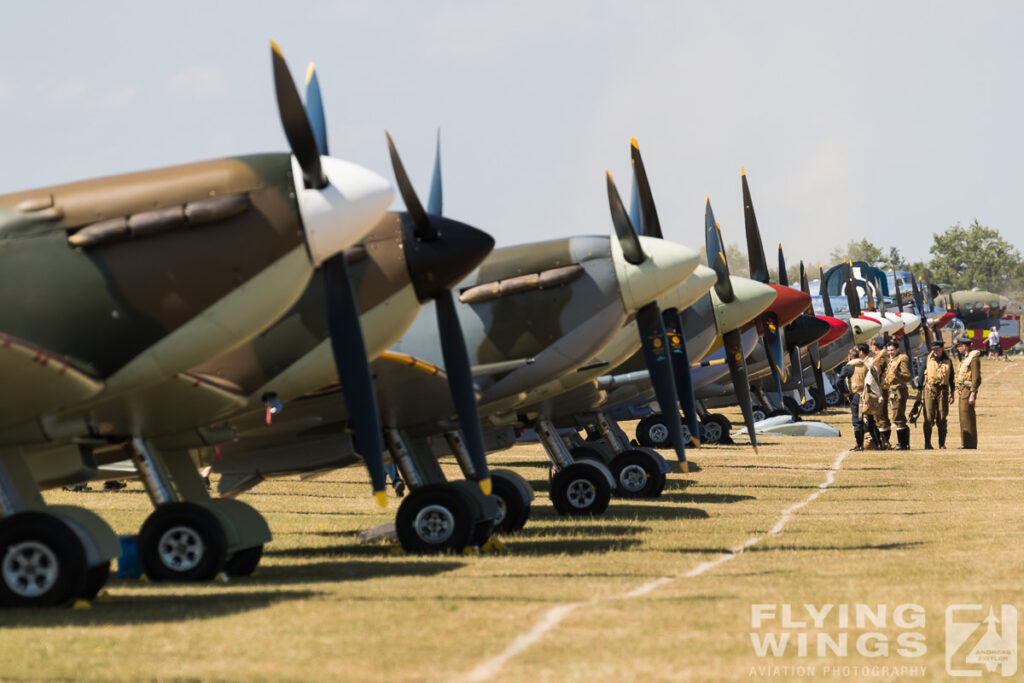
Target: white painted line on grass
[554,616]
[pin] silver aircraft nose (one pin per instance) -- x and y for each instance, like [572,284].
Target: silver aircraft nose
[665,267]
[337,216]
[752,297]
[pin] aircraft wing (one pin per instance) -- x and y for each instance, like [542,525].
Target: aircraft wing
[38,381]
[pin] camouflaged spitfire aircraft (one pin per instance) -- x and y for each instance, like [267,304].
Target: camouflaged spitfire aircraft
[116,284]
[531,313]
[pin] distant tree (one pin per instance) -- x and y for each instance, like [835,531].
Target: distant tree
[739,264]
[976,256]
[858,250]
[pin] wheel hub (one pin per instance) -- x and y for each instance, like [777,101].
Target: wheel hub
[30,568]
[658,432]
[712,432]
[499,516]
[434,524]
[633,478]
[581,493]
[181,548]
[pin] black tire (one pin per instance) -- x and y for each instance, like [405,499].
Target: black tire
[244,562]
[182,542]
[759,413]
[637,475]
[95,579]
[833,399]
[715,428]
[513,509]
[813,403]
[42,562]
[780,411]
[580,489]
[654,431]
[434,519]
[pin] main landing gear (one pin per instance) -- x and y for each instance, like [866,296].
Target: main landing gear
[439,515]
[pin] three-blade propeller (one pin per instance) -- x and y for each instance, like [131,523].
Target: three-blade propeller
[648,224]
[653,340]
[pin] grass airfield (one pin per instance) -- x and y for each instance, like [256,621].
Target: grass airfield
[653,590]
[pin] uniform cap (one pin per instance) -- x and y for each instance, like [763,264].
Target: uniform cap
[963,339]
[937,344]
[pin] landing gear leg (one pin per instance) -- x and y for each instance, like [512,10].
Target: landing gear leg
[577,488]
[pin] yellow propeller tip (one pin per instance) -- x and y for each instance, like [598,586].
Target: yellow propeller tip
[485,486]
[276,48]
[382,498]
[309,72]
[632,141]
[743,171]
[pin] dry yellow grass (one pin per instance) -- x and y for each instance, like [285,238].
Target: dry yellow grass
[924,527]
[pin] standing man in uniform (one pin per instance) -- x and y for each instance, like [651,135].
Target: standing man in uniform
[851,378]
[936,381]
[879,361]
[968,379]
[894,382]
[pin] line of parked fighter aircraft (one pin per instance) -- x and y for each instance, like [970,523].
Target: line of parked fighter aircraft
[267,315]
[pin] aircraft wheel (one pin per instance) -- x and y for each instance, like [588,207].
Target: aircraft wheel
[244,562]
[182,542]
[580,489]
[759,413]
[95,579]
[513,507]
[434,518]
[833,399]
[42,562]
[653,432]
[715,429]
[638,475]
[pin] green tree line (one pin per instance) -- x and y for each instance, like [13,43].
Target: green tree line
[975,256]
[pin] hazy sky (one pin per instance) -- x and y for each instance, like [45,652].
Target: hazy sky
[886,120]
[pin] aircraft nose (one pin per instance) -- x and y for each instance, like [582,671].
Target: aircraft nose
[865,329]
[337,216]
[666,265]
[837,328]
[806,329]
[751,299]
[438,264]
[789,303]
[691,290]
[911,322]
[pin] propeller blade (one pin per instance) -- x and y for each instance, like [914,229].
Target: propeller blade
[783,275]
[852,298]
[733,342]
[315,109]
[819,378]
[460,384]
[424,230]
[350,359]
[628,239]
[755,250]
[716,254]
[295,122]
[773,363]
[681,371]
[796,370]
[435,203]
[649,214]
[659,366]
[825,298]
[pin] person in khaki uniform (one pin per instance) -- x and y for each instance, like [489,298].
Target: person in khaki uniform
[851,378]
[936,381]
[967,381]
[871,404]
[879,360]
[894,382]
